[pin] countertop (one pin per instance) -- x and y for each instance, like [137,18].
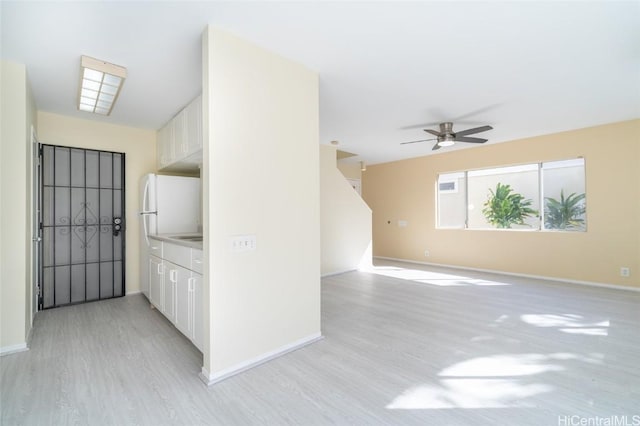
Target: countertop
[171,238]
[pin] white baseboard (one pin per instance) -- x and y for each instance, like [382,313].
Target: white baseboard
[515,274]
[330,274]
[8,350]
[209,379]
[129,293]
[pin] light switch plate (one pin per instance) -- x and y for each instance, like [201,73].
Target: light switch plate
[241,243]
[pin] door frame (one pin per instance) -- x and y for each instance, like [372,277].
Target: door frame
[36,231]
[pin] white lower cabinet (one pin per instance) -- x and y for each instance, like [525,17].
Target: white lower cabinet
[156,278]
[169,292]
[175,288]
[195,308]
[181,284]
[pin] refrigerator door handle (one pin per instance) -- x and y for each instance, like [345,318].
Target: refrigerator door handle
[144,195]
[145,212]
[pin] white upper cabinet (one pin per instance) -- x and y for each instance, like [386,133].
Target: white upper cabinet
[180,135]
[179,142]
[165,145]
[194,126]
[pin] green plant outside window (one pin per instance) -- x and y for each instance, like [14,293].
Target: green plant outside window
[505,208]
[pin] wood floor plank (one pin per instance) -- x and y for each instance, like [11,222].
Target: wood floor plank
[404,344]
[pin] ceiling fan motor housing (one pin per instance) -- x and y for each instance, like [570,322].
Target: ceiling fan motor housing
[446,127]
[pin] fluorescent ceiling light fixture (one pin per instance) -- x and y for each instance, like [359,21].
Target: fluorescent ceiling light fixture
[100,84]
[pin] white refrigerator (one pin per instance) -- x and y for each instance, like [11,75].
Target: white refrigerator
[168,205]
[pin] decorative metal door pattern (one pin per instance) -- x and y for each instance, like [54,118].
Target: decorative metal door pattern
[82,225]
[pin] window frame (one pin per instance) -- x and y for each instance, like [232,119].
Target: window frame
[540,169]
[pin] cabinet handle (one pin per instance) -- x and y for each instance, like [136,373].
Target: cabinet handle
[197,261]
[173,275]
[190,311]
[190,283]
[159,268]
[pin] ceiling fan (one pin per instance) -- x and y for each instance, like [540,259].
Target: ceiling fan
[447,137]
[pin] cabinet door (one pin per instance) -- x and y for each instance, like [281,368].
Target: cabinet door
[196,310]
[169,291]
[179,136]
[164,145]
[194,126]
[182,299]
[156,278]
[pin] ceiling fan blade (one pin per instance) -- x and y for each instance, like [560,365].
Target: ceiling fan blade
[421,140]
[433,132]
[467,139]
[435,147]
[474,130]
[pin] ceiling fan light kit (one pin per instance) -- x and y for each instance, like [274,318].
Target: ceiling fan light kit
[447,137]
[447,140]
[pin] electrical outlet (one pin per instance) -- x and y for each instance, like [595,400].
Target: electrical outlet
[426,253]
[624,271]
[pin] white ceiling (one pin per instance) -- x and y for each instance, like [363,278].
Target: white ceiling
[387,69]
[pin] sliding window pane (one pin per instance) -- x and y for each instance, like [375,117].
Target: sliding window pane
[504,198]
[563,186]
[452,203]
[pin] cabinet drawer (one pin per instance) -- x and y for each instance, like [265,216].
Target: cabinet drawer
[196,260]
[155,247]
[179,255]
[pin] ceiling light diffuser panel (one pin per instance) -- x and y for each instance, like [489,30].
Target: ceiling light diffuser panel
[100,84]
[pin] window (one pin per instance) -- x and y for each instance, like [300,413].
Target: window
[452,202]
[493,201]
[538,196]
[564,195]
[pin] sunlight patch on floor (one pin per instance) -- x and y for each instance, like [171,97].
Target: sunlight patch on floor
[569,323]
[469,393]
[433,278]
[497,381]
[502,366]
[586,331]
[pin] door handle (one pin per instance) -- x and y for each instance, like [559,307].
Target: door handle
[117,226]
[37,239]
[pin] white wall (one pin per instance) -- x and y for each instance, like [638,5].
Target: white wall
[139,146]
[17,116]
[345,220]
[260,177]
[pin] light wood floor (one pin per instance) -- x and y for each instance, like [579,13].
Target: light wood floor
[423,346]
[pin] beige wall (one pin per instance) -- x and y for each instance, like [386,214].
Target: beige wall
[17,116]
[405,190]
[345,220]
[139,146]
[260,177]
[350,170]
